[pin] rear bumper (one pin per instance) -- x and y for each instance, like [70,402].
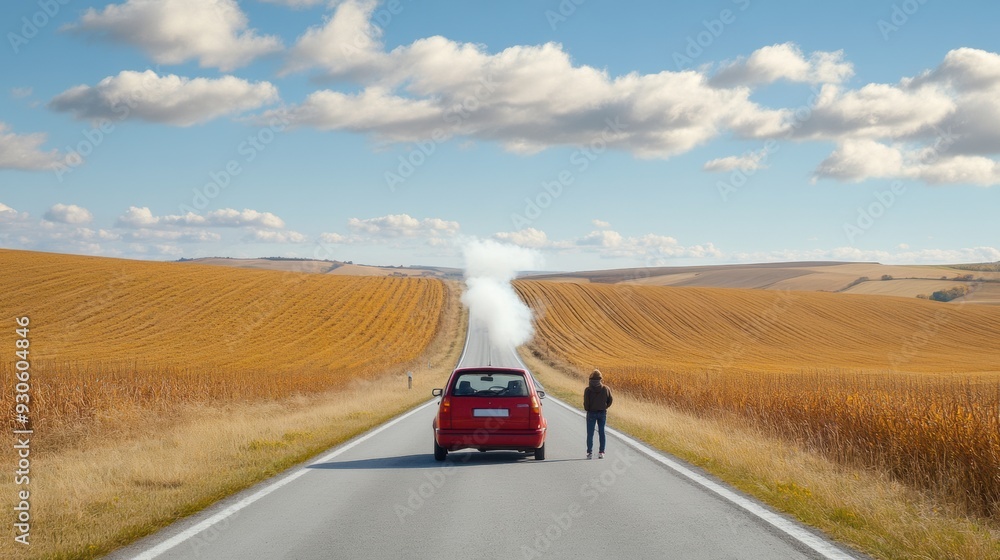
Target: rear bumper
[516,440]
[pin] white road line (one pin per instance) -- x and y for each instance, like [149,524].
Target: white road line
[794,531]
[194,530]
[468,335]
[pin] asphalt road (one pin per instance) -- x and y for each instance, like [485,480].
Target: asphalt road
[382,495]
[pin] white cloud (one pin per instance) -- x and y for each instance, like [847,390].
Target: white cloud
[530,238]
[784,62]
[168,250]
[974,170]
[400,230]
[62,229]
[228,217]
[876,111]
[703,251]
[23,151]
[372,110]
[658,248]
[21,92]
[333,238]
[602,238]
[973,78]
[56,236]
[750,161]
[938,127]
[158,249]
[403,225]
[525,97]
[173,31]
[601,224]
[529,98]
[186,235]
[857,160]
[271,236]
[346,46]
[136,217]
[100,234]
[140,218]
[168,99]
[9,215]
[69,214]
[904,256]
[967,69]
[649,248]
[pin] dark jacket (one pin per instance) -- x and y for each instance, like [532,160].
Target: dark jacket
[597,396]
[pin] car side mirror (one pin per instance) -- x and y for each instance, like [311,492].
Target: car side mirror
[437,392]
[541,394]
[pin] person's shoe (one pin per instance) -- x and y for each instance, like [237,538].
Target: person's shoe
[590,455]
[600,455]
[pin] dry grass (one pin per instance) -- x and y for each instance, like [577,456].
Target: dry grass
[942,435]
[158,388]
[862,507]
[90,500]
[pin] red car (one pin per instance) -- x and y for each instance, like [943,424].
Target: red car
[490,408]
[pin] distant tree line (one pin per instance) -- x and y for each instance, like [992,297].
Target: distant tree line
[292,259]
[855,283]
[979,267]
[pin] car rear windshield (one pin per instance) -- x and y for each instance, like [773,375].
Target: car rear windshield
[490,384]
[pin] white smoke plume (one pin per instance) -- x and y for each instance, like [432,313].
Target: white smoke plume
[492,301]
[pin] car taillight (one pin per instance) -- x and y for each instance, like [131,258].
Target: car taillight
[444,413]
[536,411]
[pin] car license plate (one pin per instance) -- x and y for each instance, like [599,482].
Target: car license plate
[490,412]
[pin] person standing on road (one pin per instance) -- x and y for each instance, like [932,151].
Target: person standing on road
[596,400]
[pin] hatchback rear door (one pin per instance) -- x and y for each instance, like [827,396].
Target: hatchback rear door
[490,399]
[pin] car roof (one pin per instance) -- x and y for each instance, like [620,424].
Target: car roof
[491,369]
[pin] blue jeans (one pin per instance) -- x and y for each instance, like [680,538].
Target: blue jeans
[598,418]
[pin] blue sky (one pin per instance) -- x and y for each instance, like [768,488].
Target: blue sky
[601,134]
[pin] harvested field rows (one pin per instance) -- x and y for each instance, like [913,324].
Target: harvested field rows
[909,387]
[694,329]
[110,336]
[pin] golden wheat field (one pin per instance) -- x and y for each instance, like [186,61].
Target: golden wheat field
[108,336]
[910,387]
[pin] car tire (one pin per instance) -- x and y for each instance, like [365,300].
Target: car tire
[440,453]
[540,453]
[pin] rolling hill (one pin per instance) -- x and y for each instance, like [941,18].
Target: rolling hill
[861,278]
[331,267]
[857,278]
[111,333]
[693,328]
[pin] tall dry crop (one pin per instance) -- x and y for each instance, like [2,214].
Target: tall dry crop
[110,338]
[909,387]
